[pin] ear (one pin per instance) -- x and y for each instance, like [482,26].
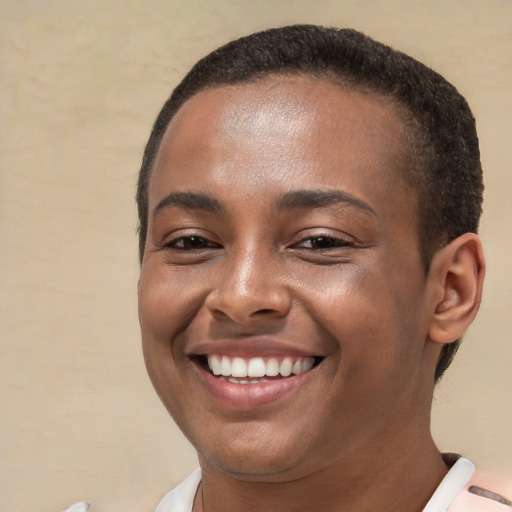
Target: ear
[458,272]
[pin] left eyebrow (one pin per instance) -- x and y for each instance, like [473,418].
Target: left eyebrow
[299,199]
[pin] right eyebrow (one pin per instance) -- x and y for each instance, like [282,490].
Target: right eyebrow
[298,199]
[190,201]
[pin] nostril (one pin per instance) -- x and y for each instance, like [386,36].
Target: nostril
[264,312]
[247,307]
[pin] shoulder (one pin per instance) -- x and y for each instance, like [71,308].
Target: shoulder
[181,498]
[465,490]
[485,492]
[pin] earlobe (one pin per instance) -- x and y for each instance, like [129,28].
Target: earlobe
[458,270]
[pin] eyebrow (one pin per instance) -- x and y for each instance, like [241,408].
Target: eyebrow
[295,200]
[299,199]
[189,200]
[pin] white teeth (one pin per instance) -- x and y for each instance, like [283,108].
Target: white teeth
[238,368]
[297,366]
[243,381]
[215,366]
[225,366]
[303,365]
[256,367]
[272,367]
[285,368]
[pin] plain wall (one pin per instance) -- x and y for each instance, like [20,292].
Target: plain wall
[81,83]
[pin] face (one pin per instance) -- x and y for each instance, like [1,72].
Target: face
[282,299]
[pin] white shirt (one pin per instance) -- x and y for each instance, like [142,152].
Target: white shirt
[456,493]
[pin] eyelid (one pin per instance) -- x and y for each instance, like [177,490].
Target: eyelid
[171,240]
[173,243]
[338,242]
[340,239]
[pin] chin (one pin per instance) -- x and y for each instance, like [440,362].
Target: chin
[258,468]
[263,460]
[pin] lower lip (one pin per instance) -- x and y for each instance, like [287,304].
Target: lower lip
[248,396]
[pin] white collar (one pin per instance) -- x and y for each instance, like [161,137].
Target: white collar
[451,485]
[181,499]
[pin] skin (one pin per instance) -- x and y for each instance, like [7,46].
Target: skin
[342,280]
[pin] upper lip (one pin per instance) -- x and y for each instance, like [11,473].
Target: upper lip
[249,347]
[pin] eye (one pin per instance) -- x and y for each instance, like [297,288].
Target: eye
[322,242]
[190,243]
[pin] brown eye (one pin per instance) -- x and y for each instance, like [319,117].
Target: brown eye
[190,243]
[322,242]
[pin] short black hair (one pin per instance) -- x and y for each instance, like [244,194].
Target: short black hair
[444,159]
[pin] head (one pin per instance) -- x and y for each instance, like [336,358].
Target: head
[285,232]
[443,162]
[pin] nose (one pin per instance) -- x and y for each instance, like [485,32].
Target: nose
[250,288]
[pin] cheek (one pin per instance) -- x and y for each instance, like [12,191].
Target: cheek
[344,296]
[163,311]
[372,315]
[160,314]
[374,327]
[168,301]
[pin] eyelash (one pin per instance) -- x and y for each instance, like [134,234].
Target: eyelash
[332,242]
[190,239]
[195,242]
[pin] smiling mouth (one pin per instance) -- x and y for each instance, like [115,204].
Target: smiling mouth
[256,370]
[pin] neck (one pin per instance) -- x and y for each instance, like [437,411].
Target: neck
[393,478]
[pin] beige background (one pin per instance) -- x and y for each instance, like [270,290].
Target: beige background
[81,83]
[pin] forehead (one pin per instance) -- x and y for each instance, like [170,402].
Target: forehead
[293,131]
[286,105]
